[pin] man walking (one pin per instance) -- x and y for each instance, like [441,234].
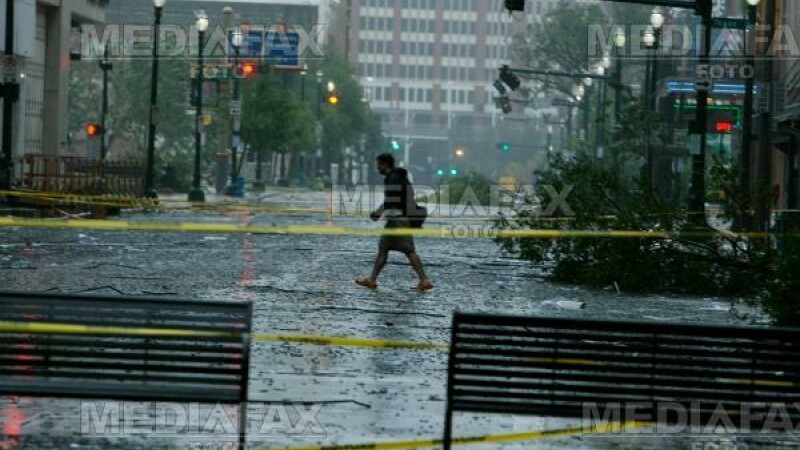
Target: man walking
[398,202]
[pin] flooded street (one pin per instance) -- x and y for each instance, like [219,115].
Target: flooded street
[303,284]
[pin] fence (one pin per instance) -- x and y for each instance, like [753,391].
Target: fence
[77,175]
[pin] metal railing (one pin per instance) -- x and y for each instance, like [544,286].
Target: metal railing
[77,175]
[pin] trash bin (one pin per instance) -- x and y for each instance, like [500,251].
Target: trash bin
[240,187]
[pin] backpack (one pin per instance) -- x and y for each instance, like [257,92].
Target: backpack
[416,214]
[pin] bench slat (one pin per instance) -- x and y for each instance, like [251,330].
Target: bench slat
[168,362]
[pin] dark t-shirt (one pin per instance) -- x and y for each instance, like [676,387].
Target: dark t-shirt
[398,192]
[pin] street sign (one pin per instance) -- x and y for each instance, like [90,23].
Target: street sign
[252,44]
[10,69]
[283,49]
[728,22]
[702,78]
[236,107]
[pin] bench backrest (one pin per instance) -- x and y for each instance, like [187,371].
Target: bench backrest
[559,367]
[124,348]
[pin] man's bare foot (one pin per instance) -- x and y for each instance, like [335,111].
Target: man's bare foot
[423,286]
[367,283]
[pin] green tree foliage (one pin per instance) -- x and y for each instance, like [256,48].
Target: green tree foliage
[688,261]
[273,117]
[560,42]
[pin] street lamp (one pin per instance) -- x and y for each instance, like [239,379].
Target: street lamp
[237,39]
[657,22]
[649,37]
[318,157]
[619,42]
[197,194]
[149,176]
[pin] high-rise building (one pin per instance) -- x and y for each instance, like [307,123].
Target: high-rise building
[428,65]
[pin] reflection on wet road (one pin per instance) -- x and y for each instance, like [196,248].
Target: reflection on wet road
[304,285]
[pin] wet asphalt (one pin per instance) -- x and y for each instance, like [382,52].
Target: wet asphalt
[303,284]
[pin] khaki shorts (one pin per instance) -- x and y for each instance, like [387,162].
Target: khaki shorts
[402,244]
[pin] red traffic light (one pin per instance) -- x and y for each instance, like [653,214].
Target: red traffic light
[723,127]
[94,129]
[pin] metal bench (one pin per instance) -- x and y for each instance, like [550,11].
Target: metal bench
[130,349]
[568,368]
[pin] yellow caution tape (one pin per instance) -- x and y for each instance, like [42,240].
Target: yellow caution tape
[348,342]
[94,330]
[61,328]
[444,232]
[64,328]
[491,438]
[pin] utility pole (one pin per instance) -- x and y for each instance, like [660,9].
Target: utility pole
[10,96]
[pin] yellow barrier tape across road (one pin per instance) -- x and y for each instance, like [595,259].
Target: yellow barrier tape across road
[94,330]
[65,328]
[487,439]
[348,342]
[444,232]
[62,328]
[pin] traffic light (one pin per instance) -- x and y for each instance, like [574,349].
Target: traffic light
[395,146]
[515,5]
[246,70]
[454,172]
[504,147]
[508,77]
[94,129]
[333,98]
[440,172]
[504,104]
[501,88]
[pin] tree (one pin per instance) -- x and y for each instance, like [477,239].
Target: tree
[273,118]
[560,42]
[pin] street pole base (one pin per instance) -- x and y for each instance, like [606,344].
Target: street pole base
[197,196]
[151,194]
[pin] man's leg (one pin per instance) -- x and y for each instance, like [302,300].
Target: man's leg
[416,262]
[380,261]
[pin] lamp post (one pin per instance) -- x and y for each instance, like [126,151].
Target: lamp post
[149,177]
[320,75]
[700,126]
[749,98]
[10,94]
[649,40]
[657,22]
[197,194]
[236,114]
[106,66]
[619,42]
[303,74]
